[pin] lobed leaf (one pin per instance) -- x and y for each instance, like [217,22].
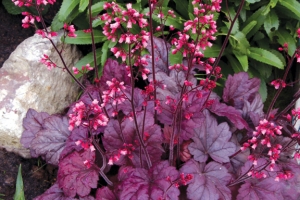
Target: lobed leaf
[54,193]
[155,183]
[32,123]
[209,181]
[104,193]
[50,141]
[230,113]
[265,188]
[76,178]
[211,139]
[118,133]
[238,88]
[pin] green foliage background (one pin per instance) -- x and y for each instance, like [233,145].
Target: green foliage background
[262,27]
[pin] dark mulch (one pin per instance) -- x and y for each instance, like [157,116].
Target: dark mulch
[37,176]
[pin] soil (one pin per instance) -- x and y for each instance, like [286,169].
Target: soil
[37,176]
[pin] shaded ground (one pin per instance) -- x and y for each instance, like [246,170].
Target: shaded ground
[37,176]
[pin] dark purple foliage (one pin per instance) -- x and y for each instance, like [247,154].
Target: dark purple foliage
[50,141]
[54,193]
[265,188]
[105,193]
[230,112]
[112,69]
[78,133]
[75,177]
[155,183]
[212,140]
[209,181]
[240,88]
[32,123]
[119,133]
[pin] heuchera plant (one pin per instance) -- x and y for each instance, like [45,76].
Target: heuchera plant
[173,137]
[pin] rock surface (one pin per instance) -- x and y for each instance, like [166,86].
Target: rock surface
[26,83]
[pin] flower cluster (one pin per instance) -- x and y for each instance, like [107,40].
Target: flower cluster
[46,61]
[70,30]
[115,93]
[263,135]
[278,83]
[89,116]
[29,19]
[84,69]
[115,31]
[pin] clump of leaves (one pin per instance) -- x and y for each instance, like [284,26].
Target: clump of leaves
[173,136]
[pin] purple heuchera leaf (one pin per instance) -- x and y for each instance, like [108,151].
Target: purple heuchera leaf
[212,140]
[50,141]
[77,173]
[112,69]
[105,193]
[161,53]
[78,133]
[191,112]
[154,183]
[257,189]
[53,193]
[253,112]
[230,113]
[117,136]
[32,123]
[239,88]
[209,181]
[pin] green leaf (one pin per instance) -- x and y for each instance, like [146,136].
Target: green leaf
[285,37]
[66,8]
[258,36]
[292,5]
[249,27]
[85,38]
[19,194]
[239,42]
[12,8]
[230,13]
[83,5]
[263,90]
[56,25]
[271,23]
[234,63]
[252,1]
[96,8]
[242,58]
[104,52]
[182,7]
[259,18]
[176,22]
[88,59]
[212,52]
[265,56]
[175,58]
[264,70]
[273,3]
[97,22]
[112,44]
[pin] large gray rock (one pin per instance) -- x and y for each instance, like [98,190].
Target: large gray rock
[26,83]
